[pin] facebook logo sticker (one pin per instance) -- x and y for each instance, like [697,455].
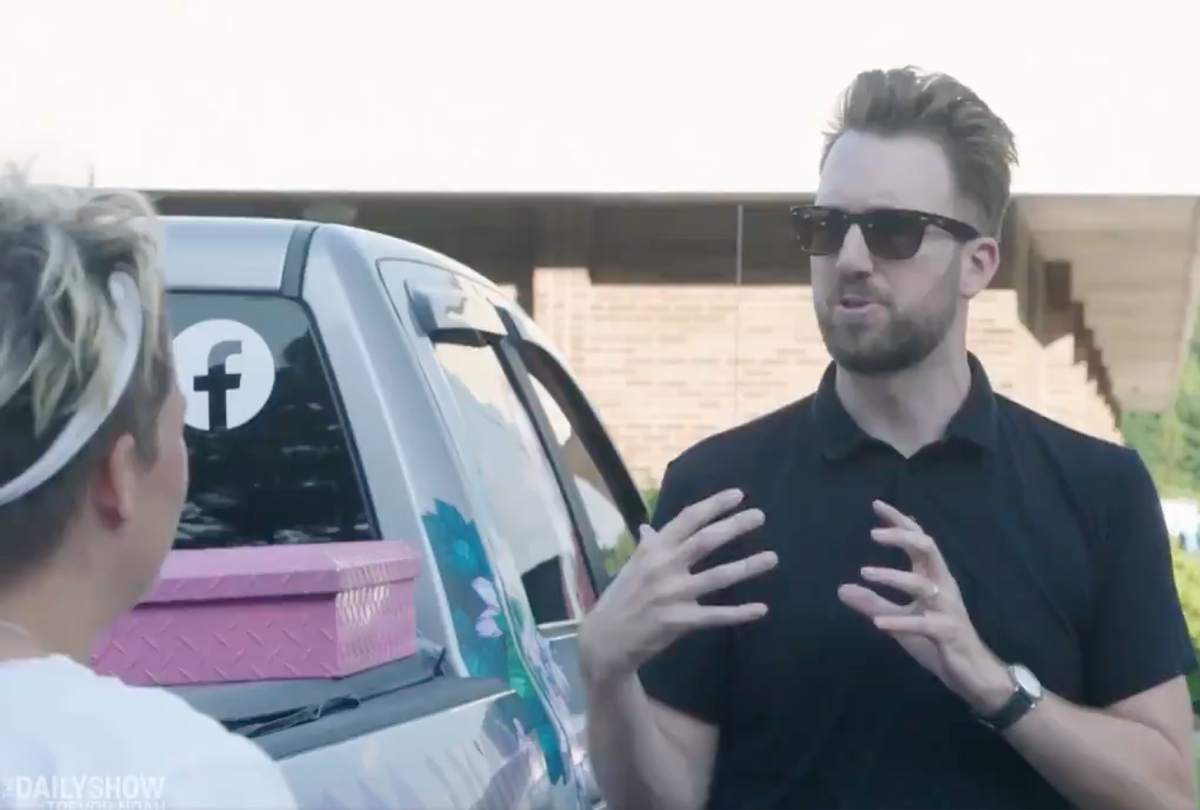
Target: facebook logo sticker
[226,372]
[218,382]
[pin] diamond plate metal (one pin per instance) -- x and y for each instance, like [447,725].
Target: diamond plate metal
[268,613]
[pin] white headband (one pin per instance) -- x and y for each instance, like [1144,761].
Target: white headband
[88,419]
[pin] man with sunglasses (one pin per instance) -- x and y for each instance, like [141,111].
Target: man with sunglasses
[904,590]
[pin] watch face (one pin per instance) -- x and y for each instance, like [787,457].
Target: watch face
[1026,680]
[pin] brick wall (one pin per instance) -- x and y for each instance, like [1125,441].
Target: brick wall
[668,364]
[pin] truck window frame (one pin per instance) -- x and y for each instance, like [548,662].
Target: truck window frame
[521,360]
[534,360]
[509,362]
[469,314]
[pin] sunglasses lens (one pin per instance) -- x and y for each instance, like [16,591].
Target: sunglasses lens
[818,232]
[894,235]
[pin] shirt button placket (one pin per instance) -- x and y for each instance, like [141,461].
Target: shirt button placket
[901,484]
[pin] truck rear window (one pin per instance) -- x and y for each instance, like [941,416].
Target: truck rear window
[271,461]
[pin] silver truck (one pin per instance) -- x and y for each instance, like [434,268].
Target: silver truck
[388,392]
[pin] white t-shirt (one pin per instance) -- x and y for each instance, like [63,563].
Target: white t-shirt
[72,739]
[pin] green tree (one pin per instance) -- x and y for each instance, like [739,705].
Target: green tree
[650,496]
[1187,581]
[1169,442]
[616,557]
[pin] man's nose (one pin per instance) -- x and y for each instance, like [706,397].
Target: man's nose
[854,258]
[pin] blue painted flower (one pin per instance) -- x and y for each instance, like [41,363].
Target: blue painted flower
[481,613]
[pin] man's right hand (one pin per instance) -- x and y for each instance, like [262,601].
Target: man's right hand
[653,600]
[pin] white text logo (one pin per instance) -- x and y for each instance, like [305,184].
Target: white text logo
[226,372]
[107,792]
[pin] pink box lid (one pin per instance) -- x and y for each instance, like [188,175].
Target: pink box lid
[248,572]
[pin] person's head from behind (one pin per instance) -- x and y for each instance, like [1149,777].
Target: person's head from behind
[914,187]
[93,470]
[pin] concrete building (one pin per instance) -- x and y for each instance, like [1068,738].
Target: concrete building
[610,167]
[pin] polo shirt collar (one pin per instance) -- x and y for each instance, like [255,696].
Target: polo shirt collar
[840,436]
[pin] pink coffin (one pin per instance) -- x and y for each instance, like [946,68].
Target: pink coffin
[268,613]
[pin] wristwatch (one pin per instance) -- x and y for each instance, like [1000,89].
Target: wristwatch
[1027,693]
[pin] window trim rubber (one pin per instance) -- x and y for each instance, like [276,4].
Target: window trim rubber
[519,374]
[533,360]
[506,356]
[591,431]
[343,417]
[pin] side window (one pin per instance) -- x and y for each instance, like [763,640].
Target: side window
[612,535]
[508,455]
[270,459]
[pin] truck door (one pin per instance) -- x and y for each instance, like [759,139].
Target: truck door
[604,503]
[560,500]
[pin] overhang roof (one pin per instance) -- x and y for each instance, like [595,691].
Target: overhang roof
[1135,268]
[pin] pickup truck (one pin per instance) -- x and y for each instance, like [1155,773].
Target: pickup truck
[388,391]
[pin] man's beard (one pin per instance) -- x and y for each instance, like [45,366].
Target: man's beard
[899,343]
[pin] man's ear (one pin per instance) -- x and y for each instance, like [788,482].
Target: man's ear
[981,260]
[114,485]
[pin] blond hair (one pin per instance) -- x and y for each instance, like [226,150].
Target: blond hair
[61,339]
[979,145]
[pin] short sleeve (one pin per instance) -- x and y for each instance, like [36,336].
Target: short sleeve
[235,780]
[692,675]
[1139,637]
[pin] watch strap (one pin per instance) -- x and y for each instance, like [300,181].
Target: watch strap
[1017,706]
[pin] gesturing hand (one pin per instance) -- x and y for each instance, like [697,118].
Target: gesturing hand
[934,628]
[653,600]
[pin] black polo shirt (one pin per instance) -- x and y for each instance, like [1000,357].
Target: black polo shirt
[1057,541]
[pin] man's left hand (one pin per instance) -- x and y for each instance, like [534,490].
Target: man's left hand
[934,627]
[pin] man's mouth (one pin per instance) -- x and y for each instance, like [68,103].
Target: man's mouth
[853,302]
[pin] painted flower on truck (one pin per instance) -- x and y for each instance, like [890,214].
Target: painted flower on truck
[495,632]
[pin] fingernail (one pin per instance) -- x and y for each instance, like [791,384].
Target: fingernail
[735,495]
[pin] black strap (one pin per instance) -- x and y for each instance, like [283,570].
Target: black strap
[1017,706]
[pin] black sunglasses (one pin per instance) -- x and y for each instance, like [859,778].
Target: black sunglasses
[890,233]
